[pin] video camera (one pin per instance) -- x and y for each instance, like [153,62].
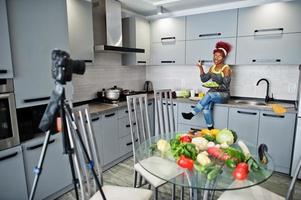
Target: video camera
[63,66]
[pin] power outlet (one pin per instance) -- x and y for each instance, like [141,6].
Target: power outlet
[291,88]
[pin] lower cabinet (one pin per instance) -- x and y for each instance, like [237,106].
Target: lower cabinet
[277,132]
[245,123]
[220,117]
[110,138]
[12,176]
[56,173]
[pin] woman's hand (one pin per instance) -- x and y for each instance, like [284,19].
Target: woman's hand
[200,66]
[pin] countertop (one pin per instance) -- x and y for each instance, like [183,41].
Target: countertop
[98,108]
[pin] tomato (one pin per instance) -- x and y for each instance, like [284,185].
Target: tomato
[243,166]
[185,162]
[185,138]
[240,173]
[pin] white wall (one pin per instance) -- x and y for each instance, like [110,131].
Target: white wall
[283,79]
[105,72]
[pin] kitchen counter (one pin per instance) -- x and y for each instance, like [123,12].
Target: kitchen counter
[97,108]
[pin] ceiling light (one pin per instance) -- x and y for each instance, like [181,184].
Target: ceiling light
[160,10]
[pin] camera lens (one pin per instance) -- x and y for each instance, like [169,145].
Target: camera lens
[78,66]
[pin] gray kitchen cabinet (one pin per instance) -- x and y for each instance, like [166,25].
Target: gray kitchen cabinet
[136,34]
[6,67]
[197,121]
[12,175]
[56,173]
[210,25]
[184,128]
[168,53]
[168,29]
[203,50]
[277,132]
[269,49]
[220,116]
[80,29]
[36,28]
[274,18]
[110,144]
[245,123]
[98,135]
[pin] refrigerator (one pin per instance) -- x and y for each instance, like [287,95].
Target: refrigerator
[297,143]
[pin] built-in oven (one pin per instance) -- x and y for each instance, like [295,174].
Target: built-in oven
[9,134]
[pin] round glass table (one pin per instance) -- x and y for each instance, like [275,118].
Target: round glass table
[166,168]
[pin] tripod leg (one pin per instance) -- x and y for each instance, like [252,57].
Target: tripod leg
[38,169]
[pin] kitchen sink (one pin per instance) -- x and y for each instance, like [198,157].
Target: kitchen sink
[250,102]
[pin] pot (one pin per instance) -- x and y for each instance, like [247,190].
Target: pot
[113,93]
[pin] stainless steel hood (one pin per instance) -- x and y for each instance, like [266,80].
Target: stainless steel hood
[107,27]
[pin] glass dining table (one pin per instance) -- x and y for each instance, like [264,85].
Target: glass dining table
[166,168]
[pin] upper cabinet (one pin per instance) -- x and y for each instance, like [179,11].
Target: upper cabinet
[80,29]
[168,29]
[168,41]
[270,19]
[270,33]
[210,25]
[6,69]
[136,34]
[36,27]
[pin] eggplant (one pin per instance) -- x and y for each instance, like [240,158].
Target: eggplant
[262,150]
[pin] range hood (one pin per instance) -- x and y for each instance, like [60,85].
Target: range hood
[107,28]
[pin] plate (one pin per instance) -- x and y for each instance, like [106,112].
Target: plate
[208,85]
[195,98]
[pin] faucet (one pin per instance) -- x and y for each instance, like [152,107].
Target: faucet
[267,98]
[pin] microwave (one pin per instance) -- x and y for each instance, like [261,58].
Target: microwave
[9,133]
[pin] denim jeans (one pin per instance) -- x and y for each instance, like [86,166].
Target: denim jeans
[206,105]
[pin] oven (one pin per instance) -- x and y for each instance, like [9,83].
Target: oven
[9,134]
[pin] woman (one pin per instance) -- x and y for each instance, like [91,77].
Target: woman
[219,73]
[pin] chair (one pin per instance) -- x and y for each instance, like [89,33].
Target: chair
[259,193]
[87,182]
[164,108]
[140,131]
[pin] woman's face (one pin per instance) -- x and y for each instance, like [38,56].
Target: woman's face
[218,58]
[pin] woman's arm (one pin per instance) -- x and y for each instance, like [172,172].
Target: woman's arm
[204,76]
[227,77]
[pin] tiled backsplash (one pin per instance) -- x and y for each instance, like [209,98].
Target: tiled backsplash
[105,72]
[283,79]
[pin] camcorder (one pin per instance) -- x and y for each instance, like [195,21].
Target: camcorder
[63,66]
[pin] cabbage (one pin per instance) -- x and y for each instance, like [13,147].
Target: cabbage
[225,136]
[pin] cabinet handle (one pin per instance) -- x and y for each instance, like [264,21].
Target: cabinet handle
[36,99]
[88,61]
[150,104]
[209,34]
[267,60]
[128,111]
[206,61]
[195,129]
[130,143]
[128,125]
[168,61]
[39,145]
[95,119]
[268,29]
[168,38]
[110,115]
[3,71]
[271,115]
[192,106]
[169,104]
[8,156]
[141,62]
[247,113]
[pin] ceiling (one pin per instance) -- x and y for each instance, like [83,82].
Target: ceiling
[150,8]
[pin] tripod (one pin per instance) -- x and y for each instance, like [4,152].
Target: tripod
[69,127]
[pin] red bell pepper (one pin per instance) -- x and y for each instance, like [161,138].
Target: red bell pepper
[185,138]
[185,162]
[241,171]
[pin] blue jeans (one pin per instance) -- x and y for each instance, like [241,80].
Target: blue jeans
[206,105]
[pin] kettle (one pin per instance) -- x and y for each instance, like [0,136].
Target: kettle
[148,86]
